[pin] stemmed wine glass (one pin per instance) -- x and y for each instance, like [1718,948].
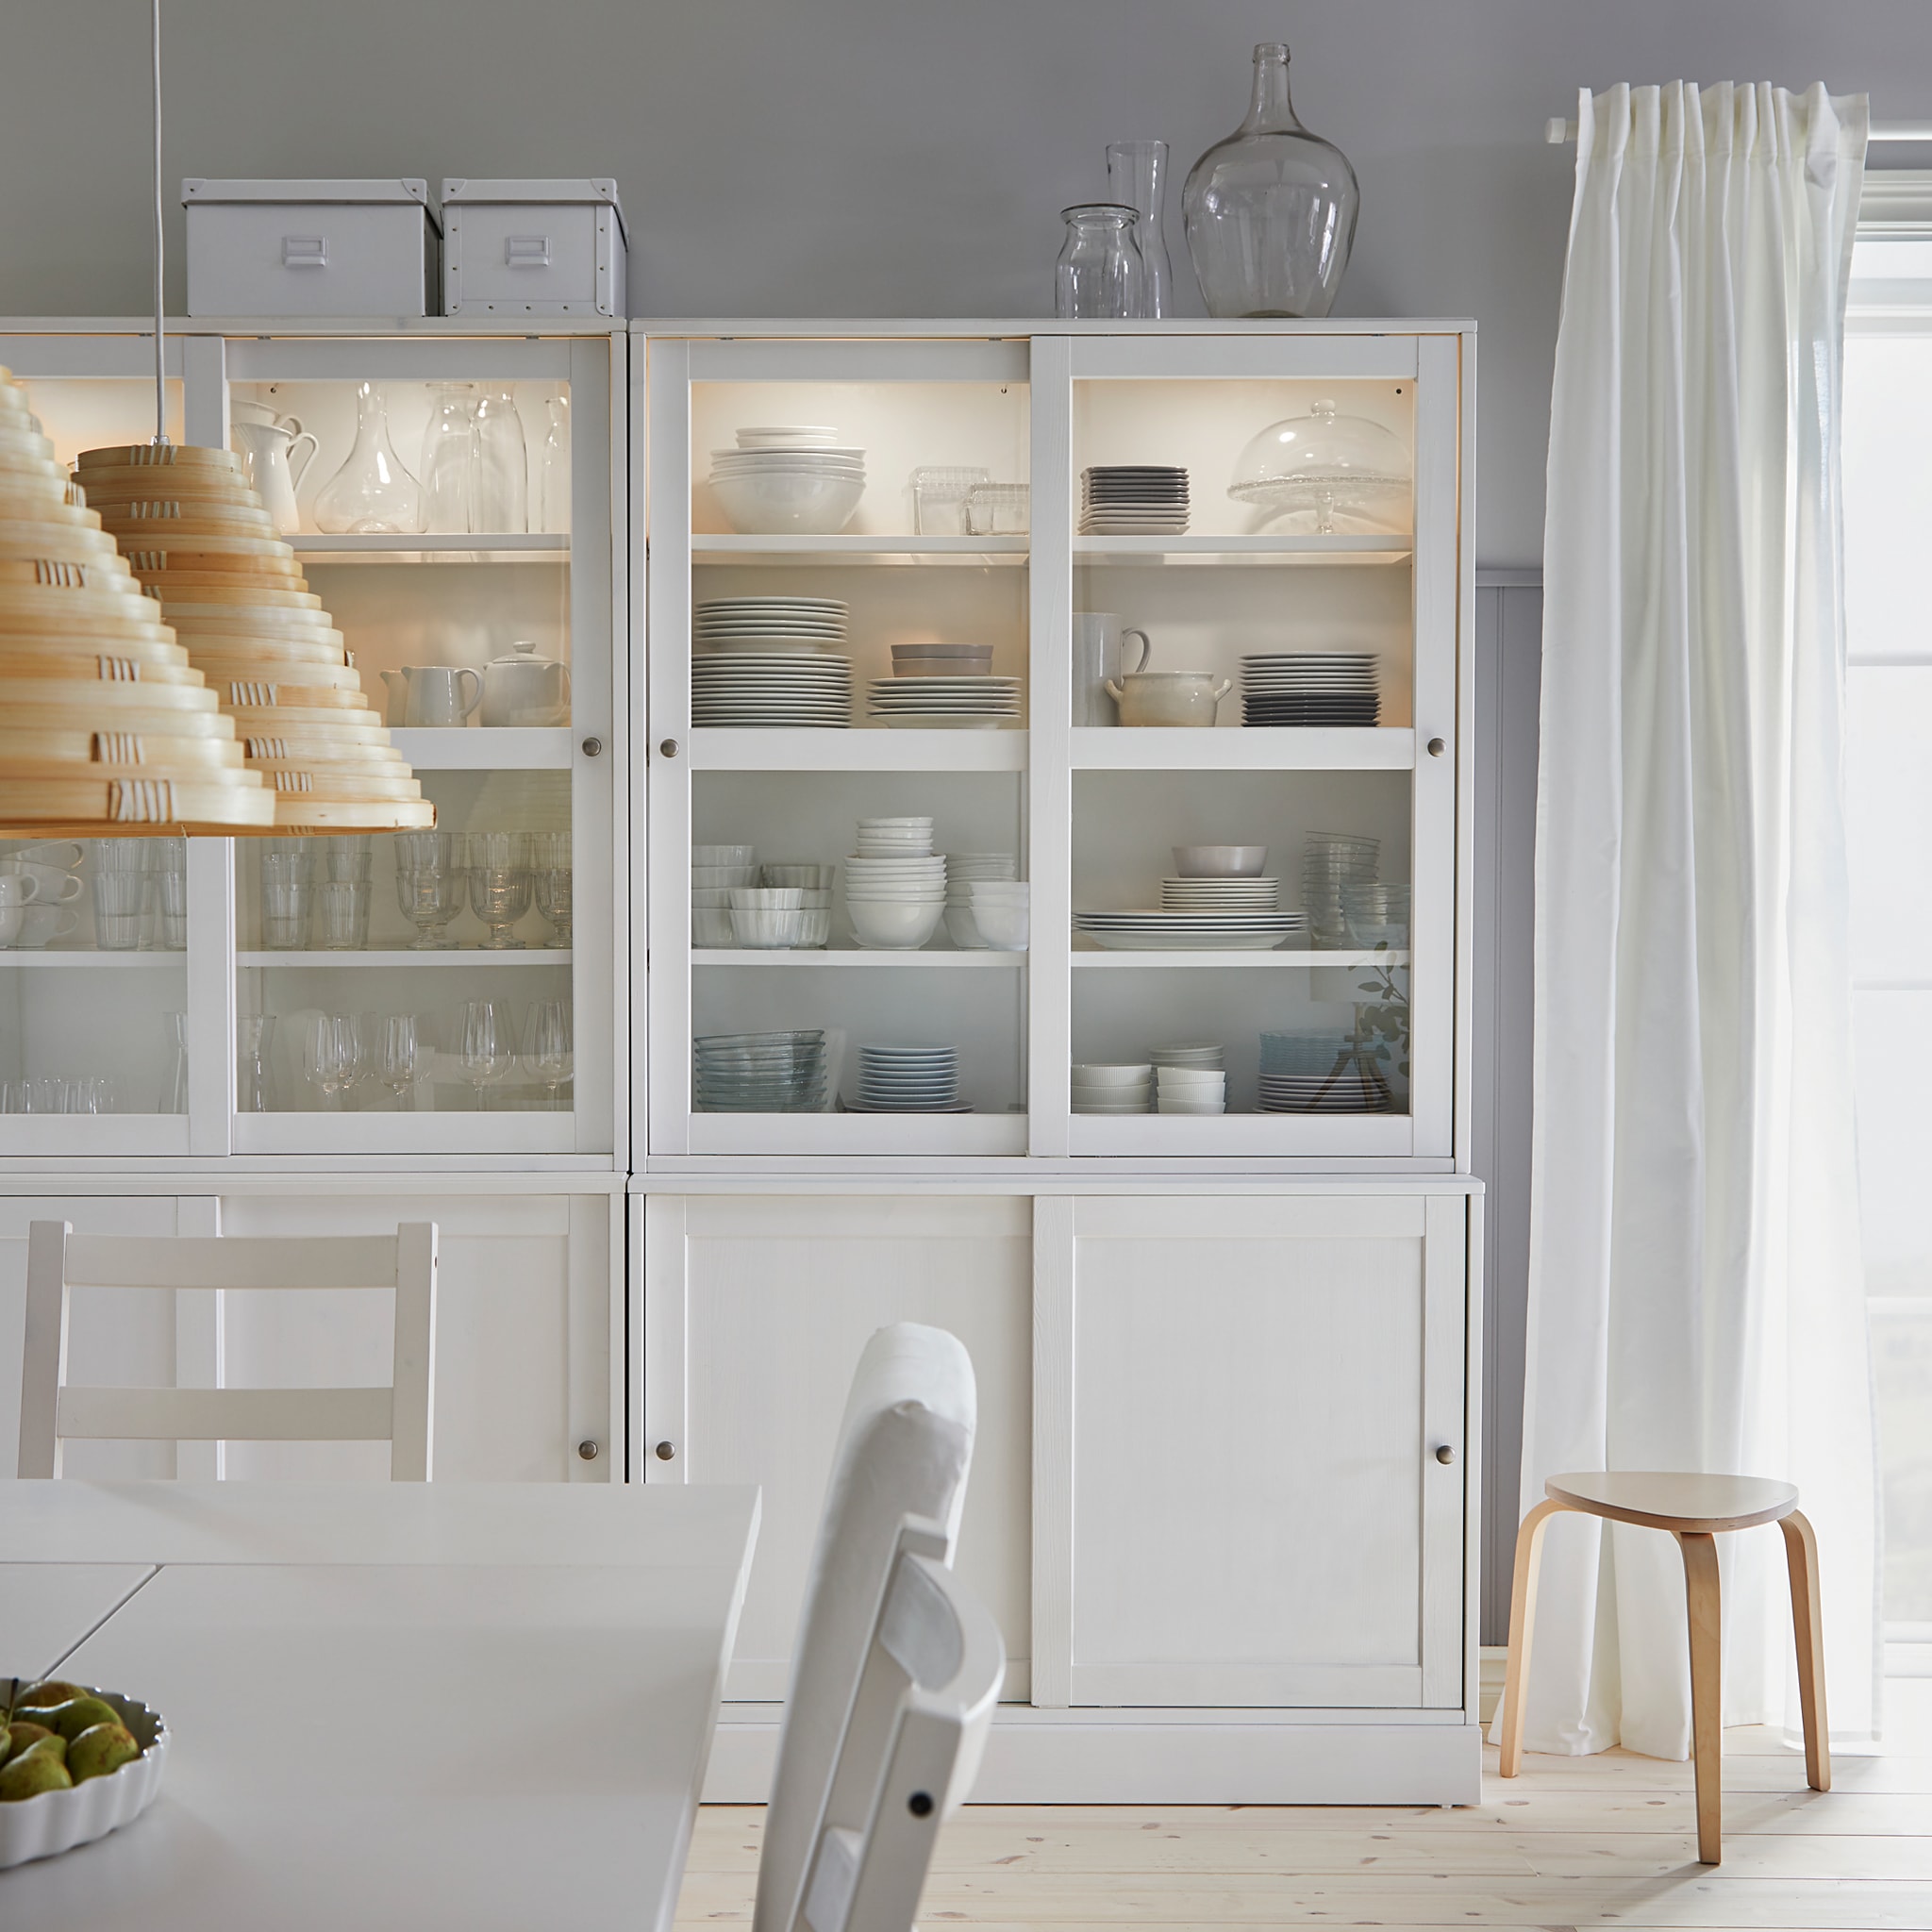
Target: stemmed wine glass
[334,1054]
[432,882]
[547,1051]
[399,1055]
[500,884]
[488,1048]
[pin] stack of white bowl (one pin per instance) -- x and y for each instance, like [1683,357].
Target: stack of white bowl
[814,882]
[1190,1056]
[788,480]
[1189,1090]
[896,885]
[1112,1089]
[963,870]
[1002,913]
[716,873]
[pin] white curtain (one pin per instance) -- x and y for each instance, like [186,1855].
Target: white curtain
[1696,1286]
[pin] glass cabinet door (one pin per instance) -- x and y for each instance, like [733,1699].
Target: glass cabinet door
[450,502]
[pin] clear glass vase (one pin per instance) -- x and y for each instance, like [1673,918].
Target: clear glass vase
[255,1080]
[173,1094]
[453,458]
[553,463]
[1137,178]
[1270,212]
[503,497]
[1098,274]
[372,492]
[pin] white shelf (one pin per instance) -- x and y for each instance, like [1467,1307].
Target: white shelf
[844,956]
[943,552]
[902,1133]
[1310,959]
[476,748]
[1341,1136]
[505,547]
[77,956]
[1121,748]
[726,750]
[454,956]
[1267,552]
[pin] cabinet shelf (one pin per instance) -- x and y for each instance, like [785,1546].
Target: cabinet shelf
[485,748]
[454,956]
[901,1134]
[966,552]
[722,749]
[1342,1136]
[1267,552]
[505,546]
[1311,960]
[1120,748]
[80,955]
[854,957]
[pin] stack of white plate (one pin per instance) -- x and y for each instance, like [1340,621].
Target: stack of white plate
[899,838]
[773,691]
[962,868]
[1134,500]
[1189,1090]
[896,885]
[945,704]
[789,481]
[908,1079]
[1190,1052]
[1336,689]
[1220,895]
[1154,929]
[1118,1088]
[770,625]
[1320,1073]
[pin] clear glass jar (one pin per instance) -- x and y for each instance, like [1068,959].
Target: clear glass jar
[1137,178]
[372,492]
[1098,274]
[1270,212]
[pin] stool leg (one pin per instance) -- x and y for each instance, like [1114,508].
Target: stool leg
[1801,1556]
[1522,1622]
[1701,1596]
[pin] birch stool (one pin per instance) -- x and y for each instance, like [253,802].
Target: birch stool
[1695,1509]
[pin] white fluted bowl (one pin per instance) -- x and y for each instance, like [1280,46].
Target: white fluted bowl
[800,505]
[58,1821]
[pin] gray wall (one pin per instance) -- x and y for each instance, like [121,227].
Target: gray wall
[851,157]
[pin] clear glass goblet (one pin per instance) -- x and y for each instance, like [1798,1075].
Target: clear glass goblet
[547,1050]
[488,1046]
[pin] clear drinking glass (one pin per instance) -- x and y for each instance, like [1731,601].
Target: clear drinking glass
[1098,273]
[500,885]
[503,499]
[372,492]
[1137,178]
[174,1098]
[344,856]
[453,458]
[342,914]
[399,1057]
[547,1051]
[287,894]
[550,869]
[432,882]
[553,463]
[255,1085]
[121,889]
[333,1054]
[488,1046]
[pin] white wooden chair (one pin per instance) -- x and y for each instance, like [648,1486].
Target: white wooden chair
[897,1486]
[52,1411]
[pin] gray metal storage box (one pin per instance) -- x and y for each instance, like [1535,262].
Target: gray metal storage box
[311,247]
[533,248]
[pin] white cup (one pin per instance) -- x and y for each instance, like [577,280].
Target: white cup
[63,853]
[55,887]
[39,924]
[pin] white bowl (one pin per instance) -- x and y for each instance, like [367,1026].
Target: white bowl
[1180,1078]
[1219,861]
[768,930]
[918,819]
[797,873]
[714,898]
[1085,1107]
[723,854]
[787,503]
[1117,1074]
[767,898]
[1002,927]
[960,928]
[1112,1097]
[723,876]
[712,928]
[58,1821]
[894,926]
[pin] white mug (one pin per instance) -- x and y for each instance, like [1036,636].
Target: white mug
[56,886]
[39,924]
[1098,656]
[17,890]
[436,694]
[63,853]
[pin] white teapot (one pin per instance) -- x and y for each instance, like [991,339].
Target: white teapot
[523,688]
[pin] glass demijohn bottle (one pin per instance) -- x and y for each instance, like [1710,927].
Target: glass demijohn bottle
[1270,212]
[372,492]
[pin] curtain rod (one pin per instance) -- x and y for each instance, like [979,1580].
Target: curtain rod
[1557,130]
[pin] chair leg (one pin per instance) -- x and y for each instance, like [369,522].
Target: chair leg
[1801,1556]
[1522,1626]
[1702,1601]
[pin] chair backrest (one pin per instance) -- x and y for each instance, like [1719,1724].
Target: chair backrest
[904,1447]
[913,1739]
[402,1414]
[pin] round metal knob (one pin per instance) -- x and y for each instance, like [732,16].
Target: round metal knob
[1437,747]
[666,1451]
[593,748]
[920,1804]
[589,1449]
[669,747]
[1446,1453]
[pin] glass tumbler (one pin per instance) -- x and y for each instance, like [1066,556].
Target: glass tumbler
[341,857]
[1098,274]
[550,870]
[119,893]
[500,885]
[342,914]
[288,896]
[432,882]
[168,864]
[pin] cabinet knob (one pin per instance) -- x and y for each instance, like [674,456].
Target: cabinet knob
[1437,747]
[593,748]
[589,1449]
[1446,1453]
[669,747]
[666,1451]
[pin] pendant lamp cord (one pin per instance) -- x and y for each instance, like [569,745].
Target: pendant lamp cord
[160,349]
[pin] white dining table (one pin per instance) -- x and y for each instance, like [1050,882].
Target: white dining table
[392,1705]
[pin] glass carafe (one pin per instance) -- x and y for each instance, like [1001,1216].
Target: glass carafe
[453,458]
[1098,274]
[553,465]
[372,492]
[503,493]
[255,1080]
[1270,212]
[1137,178]
[174,1096]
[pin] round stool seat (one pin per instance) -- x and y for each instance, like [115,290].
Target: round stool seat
[1662,1499]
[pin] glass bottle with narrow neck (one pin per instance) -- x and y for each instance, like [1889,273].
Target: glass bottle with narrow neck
[372,492]
[1270,212]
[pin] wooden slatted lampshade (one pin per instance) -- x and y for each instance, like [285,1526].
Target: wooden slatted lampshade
[106,727]
[197,537]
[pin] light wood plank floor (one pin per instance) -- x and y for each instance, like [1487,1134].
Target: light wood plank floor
[1604,1840]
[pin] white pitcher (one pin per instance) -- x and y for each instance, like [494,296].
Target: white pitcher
[270,462]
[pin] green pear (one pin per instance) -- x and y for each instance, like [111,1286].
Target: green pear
[23,1735]
[76,1715]
[54,1690]
[100,1749]
[5,1744]
[32,1771]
